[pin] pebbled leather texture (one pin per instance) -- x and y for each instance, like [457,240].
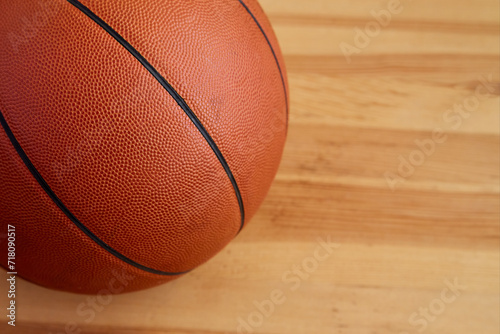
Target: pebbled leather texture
[117,149]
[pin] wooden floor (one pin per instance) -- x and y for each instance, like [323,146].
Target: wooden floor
[412,229]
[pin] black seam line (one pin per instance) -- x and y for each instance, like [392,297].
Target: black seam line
[175,95]
[65,210]
[274,54]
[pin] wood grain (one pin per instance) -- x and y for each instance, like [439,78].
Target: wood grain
[349,126]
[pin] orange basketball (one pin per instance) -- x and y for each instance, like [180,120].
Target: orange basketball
[137,138]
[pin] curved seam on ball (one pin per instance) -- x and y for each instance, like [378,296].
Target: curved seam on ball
[41,181]
[274,54]
[174,94]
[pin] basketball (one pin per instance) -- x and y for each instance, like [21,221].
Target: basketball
[137,138]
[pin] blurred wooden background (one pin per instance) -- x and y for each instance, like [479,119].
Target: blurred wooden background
[398,241]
